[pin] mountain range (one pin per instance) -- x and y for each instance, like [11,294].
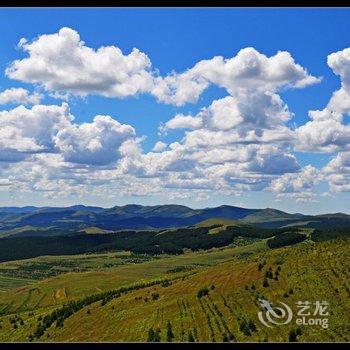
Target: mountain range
[40,221]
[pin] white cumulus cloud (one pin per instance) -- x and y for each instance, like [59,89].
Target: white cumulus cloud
[24,130]
[327,131]
[95,143]
[61,62]
[248,70]
[159,146]
[51,129]
[238,143]
[19,96]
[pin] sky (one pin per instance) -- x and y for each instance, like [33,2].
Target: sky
[200,107]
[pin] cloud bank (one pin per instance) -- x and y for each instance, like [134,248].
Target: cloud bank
[241,142]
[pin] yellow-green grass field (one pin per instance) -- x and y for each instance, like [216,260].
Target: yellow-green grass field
[7,282]
[308,271]
[47,292]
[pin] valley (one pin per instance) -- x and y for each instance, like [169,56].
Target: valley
[201,283]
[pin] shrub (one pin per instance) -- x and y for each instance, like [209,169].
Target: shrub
[154,336]
[292,337]
[268,274]
[252,326]
[244,327]
[169,332]
[157,335]
[180,269]
[225,338]
[202,292]
[59,323]
[155,296]
[191,338]
[279,260]
[150,335]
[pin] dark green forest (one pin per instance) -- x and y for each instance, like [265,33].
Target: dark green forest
[152,242]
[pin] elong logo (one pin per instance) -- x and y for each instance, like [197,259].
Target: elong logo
[283,314]
[276,315]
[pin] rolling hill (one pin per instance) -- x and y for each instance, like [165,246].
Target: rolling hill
[210,296]
[203,281]
[65,221]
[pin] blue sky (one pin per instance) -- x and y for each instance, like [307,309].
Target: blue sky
[175,40]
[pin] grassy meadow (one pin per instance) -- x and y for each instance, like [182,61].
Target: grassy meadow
[233,278]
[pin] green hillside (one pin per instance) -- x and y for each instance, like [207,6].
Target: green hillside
[82,275]
[217,221]
[202,296]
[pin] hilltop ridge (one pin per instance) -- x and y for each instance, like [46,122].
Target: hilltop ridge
[135,216]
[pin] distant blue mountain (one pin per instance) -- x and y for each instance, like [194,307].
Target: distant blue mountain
[132,216]
[30,209]
[27,209]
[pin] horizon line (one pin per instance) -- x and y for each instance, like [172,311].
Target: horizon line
[168,204]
